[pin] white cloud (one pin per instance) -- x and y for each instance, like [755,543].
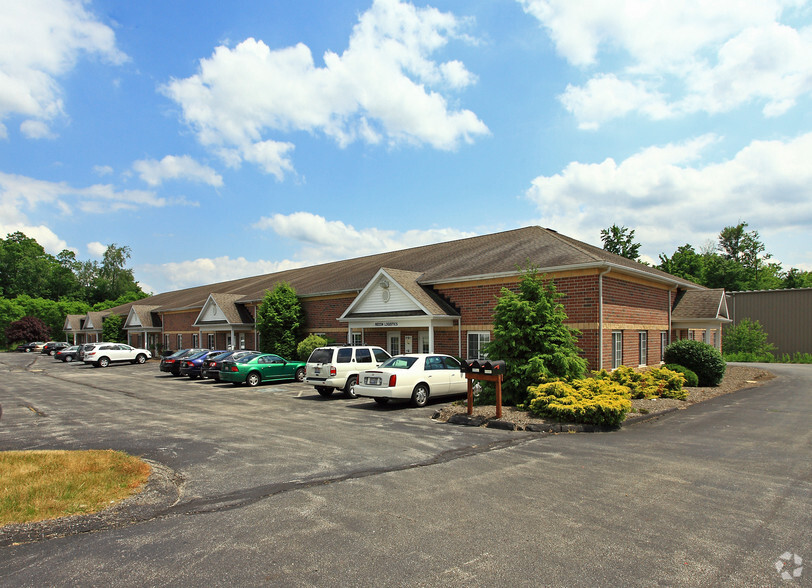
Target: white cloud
[186,274]
[173,167]
[102,170]
[96,249]
[670,200]
[679,57]
[383,87]
[325,240]
[42,234]
[41,40]
[35,129]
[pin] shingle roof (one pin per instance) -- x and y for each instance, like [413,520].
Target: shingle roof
[487,255]
[700,304]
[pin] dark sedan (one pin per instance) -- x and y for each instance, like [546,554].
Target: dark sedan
[192,365]
[68,354]
[212,366]
[51,347]
[171,363]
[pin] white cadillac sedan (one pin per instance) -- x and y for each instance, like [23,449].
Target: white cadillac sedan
[413,376]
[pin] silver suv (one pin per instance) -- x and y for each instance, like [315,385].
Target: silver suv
[337,368]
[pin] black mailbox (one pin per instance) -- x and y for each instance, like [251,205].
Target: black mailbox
[484,366]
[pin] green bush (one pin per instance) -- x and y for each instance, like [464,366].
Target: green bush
[308,344]
[691,379]
[590,400]
[703,359]
[747,337]
[749,357]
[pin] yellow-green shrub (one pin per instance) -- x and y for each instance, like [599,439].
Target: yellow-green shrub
[590,400]
[657,382]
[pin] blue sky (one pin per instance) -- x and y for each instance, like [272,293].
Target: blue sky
[225,139]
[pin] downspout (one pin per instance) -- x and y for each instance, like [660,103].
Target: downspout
[600,316]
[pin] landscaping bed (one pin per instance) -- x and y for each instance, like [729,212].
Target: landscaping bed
[736,378]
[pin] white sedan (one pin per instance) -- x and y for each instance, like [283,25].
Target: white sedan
[415,377]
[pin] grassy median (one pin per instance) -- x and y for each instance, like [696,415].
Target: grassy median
[39,485]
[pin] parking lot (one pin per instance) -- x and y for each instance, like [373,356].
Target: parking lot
[279,486]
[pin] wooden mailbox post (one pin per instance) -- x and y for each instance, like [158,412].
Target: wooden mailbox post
[490,371]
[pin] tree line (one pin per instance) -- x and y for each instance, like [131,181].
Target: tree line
[737,261]
[37,284]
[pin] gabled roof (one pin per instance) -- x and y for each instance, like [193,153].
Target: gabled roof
[494,255]
[412,298]
[692,305]
[73,322]
[94,320]
[143,315]
[230,311]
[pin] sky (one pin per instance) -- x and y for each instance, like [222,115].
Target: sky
[220,140]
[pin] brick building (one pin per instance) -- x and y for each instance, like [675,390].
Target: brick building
[440,298]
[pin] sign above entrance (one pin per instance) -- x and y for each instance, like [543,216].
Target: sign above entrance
[391,324]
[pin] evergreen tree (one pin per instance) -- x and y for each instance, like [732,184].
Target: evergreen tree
[279,321]
[531,337]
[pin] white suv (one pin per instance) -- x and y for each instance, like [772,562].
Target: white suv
[103,354]
[337,368]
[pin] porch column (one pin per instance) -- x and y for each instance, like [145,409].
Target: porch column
[431,337]
[233,346]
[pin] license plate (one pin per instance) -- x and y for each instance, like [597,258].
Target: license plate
[372,381]
[317,370]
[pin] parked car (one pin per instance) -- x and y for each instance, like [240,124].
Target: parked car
[29,347]
[211,367]
[103,354]
[68,354]
[51,347]
[415,377]
[337,368]
[192,365]
[82,348]
[255,368]
[171,363]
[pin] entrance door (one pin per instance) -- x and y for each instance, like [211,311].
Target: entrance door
[393,342]
[423,342]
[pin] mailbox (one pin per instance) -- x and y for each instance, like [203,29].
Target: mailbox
[484,366]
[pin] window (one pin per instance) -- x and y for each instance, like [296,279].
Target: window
[355,339]
[642,340]
[363,356]
[180,341]
[434,363]
[394,342]
[344,355]
[195,340]
[476,344]
[166,342]
[663,343]
[380,355]
[242,340]
[210,339]
[617,349]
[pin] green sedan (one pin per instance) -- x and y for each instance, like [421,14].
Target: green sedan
[255,368]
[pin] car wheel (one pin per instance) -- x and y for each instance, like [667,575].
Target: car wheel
[420,395]
[349,389]
[193,376]
[324,391]
[27,350]
[141,358]
[103,362]
[51,352]
[300,375]
[381,400]
[253,379]
[68,358]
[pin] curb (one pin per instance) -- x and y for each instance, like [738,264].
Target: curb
[160,492]
[491,423]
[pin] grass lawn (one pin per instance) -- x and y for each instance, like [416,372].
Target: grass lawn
[39,485]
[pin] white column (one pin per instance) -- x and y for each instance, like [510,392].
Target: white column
[431,337]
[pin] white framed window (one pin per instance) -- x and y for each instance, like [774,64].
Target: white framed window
[663,343]
[356,338]
[210,340]
[642,345]
[180,341]
[195,340]
[242,340]
[617,349]
[477,340]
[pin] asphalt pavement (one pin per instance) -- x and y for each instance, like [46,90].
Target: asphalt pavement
[277,486]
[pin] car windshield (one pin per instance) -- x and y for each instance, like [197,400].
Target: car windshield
[246,358]
[399,363]
[198,355]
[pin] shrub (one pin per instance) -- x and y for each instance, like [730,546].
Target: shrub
[703,359]
[749,357]
[691,379]
[659,382]
[747,337]
[590,400]
[306,346]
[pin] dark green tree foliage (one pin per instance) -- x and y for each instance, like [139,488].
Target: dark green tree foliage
[531,337]
[28,328]
[699,357]
[684,263]
[279,320]
[620,240]
[747,337]
[113,329]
